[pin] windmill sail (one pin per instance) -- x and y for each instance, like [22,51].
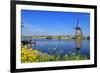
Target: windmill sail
[77,22]
[78,29]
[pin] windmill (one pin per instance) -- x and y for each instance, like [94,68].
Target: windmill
[78,30]
[78,36]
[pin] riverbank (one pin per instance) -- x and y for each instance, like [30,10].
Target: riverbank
[29,55]
[56,37]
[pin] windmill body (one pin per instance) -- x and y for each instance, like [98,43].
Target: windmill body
[78,31]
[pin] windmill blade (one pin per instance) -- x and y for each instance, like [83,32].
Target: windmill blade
[81,32]
[74,28]
[77,22]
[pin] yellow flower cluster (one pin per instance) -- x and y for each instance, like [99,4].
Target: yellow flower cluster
[29,55]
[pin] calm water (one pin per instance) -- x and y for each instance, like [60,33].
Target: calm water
[61,47]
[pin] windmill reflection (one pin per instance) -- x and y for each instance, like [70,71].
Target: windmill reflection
[78,44]
[78,37]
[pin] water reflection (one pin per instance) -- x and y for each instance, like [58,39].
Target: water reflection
[78,44]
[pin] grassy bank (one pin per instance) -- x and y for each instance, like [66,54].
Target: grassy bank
[29,55]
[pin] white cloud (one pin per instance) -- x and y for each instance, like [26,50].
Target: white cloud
[31,30]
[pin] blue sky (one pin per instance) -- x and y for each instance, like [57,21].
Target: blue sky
[53,23]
